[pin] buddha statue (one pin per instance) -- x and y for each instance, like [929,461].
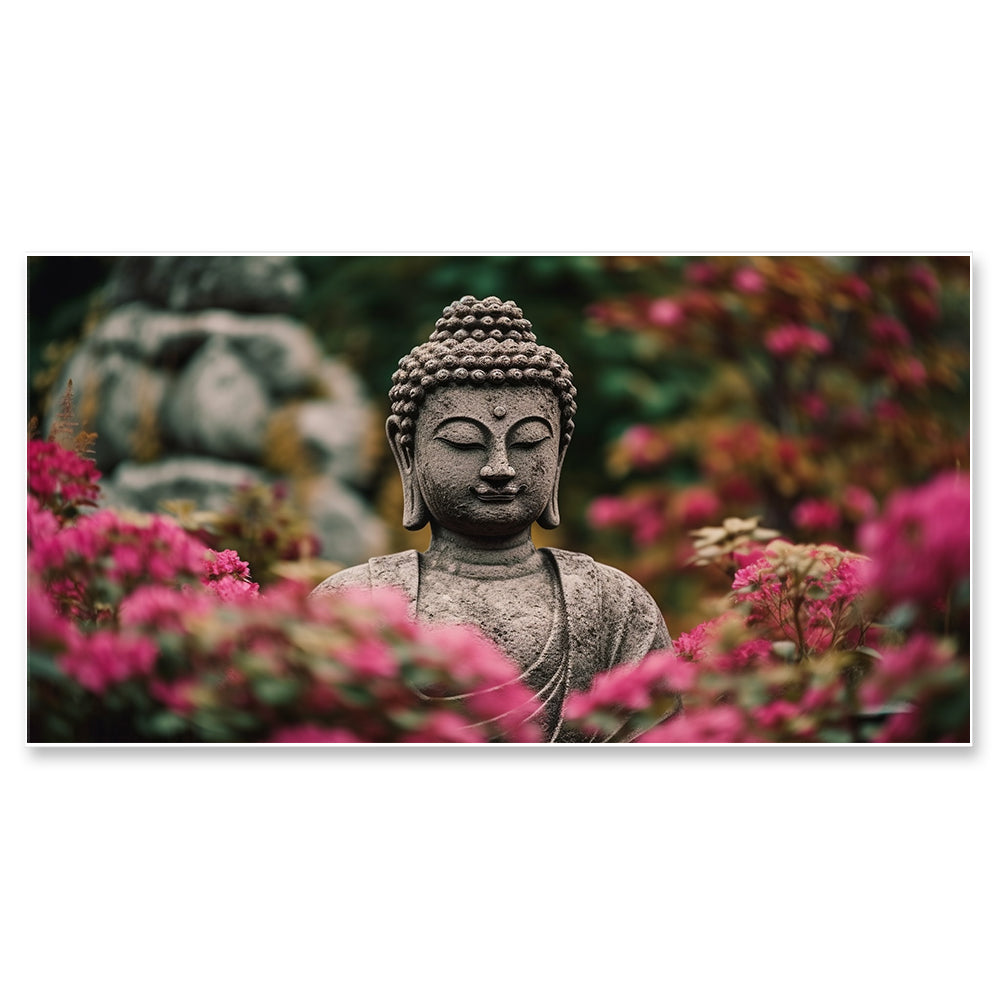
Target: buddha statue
[482,415]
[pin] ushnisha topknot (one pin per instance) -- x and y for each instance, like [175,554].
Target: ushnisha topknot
[486,343]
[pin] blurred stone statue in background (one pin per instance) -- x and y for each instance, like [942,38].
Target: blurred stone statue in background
[482,415]
[198,379]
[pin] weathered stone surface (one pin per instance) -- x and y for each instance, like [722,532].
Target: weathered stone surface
[190,405]
[120,399]
[347,528]
[208,482]
[481,418]
[335,436]
[218,406]
[282,351]
[246,284]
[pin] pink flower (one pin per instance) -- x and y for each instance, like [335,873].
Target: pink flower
[46,627]
[888,331]
[920,546]
[907,372]
[59,477]
[920,654]
[701,273]
[745,654]
[856,288]
[749,281]
[859,504]
[665,313]
[721,724]
[749,574]
[608,512]
[902,727]
[924,278]
[175,695]
[443,726]
[776,713]
[697,506]
[633,686]
[102,658]
[162,608]
[692,644]
[42,523]
[648,524]
[888,411]
[816,515]
[226,561]
[785,341]
[814,405]
[644,447]
[370,658]
[230,588]
[917,660]
[385,605]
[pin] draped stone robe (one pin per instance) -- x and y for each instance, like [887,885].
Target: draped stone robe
[603,618]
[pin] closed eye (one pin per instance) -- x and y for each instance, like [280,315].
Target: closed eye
[461,445]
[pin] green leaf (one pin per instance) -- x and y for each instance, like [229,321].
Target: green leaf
[166,725]
[276,690]
[43,667]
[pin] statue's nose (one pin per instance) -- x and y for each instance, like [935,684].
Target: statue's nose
[497,472]
[497,468]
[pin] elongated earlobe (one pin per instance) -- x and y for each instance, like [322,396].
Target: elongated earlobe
[415,512]
[549,517]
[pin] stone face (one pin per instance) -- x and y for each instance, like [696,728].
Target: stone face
[481,418]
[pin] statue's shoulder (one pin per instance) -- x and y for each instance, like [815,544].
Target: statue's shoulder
[400,570]
[345,579]
[610,579]
[625,608]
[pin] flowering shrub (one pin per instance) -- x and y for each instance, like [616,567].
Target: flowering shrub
[265,525]
[137,632]
[61,480]
[815,643]
[804,390]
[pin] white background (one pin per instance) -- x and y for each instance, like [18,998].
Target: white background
[501,872]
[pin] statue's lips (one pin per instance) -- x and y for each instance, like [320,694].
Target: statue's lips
[504,495]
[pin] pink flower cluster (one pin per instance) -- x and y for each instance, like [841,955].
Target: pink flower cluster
[228,575]
[716,724]
[810,599]
[643,447]
[59,478]
[94,560]
[665,313]
[816,515]
[920,546]
[788,340]
[642,515]
[888,331]
[629,691]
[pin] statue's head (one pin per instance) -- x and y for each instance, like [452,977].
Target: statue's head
[482,415]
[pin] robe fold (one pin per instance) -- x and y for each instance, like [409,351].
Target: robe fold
[613,620]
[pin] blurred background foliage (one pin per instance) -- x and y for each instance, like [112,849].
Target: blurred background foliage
[799,389]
